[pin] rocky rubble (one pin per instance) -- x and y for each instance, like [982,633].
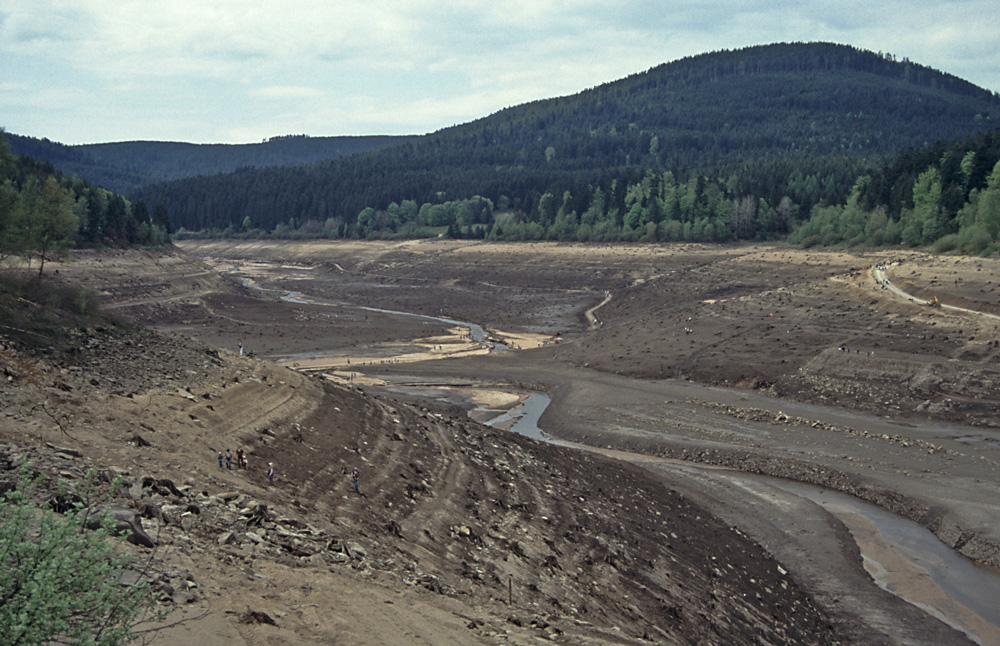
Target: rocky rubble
[446,513]
[508,539]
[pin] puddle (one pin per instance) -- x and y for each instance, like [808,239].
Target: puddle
[294,297]
[525,417]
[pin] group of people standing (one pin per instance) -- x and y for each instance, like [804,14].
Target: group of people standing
[227,459]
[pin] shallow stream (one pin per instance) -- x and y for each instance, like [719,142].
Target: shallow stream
[901,556]
[476,331]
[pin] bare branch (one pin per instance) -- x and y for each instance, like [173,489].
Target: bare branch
[61,421]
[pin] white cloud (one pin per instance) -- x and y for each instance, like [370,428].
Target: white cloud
[217,70]
[285,92]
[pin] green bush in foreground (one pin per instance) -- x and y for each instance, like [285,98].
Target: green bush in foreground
[60,582]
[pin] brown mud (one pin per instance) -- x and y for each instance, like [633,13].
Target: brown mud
[762,360]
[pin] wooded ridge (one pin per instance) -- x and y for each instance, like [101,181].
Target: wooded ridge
[743,144]
[732,116]
[44,212]
[127,165]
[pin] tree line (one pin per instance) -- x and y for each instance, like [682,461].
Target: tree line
[758,201]
[732,118]
[945,195]
[43,213]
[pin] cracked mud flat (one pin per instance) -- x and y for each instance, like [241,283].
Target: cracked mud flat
[441,525]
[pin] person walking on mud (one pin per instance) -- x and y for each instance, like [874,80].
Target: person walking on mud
[356,478]
[270,473]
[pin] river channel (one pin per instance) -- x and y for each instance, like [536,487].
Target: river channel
[901,556]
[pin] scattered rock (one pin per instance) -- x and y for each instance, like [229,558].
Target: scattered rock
[124,520]
[256,617]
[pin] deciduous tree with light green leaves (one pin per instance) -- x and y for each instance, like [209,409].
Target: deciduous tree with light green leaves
[61,582]
[46,222]
[989,204]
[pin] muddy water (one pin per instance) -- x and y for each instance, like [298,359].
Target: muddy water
[901,556]
[909,561]
[476,332]
[523,418]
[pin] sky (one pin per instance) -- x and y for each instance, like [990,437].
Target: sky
[221,71]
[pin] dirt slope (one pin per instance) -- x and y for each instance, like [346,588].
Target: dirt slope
[452,518]
[593,551]
[891,376]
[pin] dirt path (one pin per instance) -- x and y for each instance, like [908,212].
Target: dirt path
[880,274]
[591,313]
[194,293]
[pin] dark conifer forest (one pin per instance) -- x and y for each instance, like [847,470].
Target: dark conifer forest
[819,143]
[44,212]
[127,165]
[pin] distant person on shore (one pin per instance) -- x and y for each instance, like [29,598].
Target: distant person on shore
[356,478]
[220,459]
[241,458]
[270,473]
[241,347]
[229,459]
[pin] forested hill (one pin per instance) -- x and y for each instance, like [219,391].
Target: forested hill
[818,104]
[124,166]
[44,212]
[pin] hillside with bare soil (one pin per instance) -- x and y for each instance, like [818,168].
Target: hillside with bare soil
[453,520]
[463,533]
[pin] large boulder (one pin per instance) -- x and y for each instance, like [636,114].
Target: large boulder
[123,519]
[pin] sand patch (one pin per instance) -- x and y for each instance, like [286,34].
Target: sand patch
[521,341]
[489,398]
